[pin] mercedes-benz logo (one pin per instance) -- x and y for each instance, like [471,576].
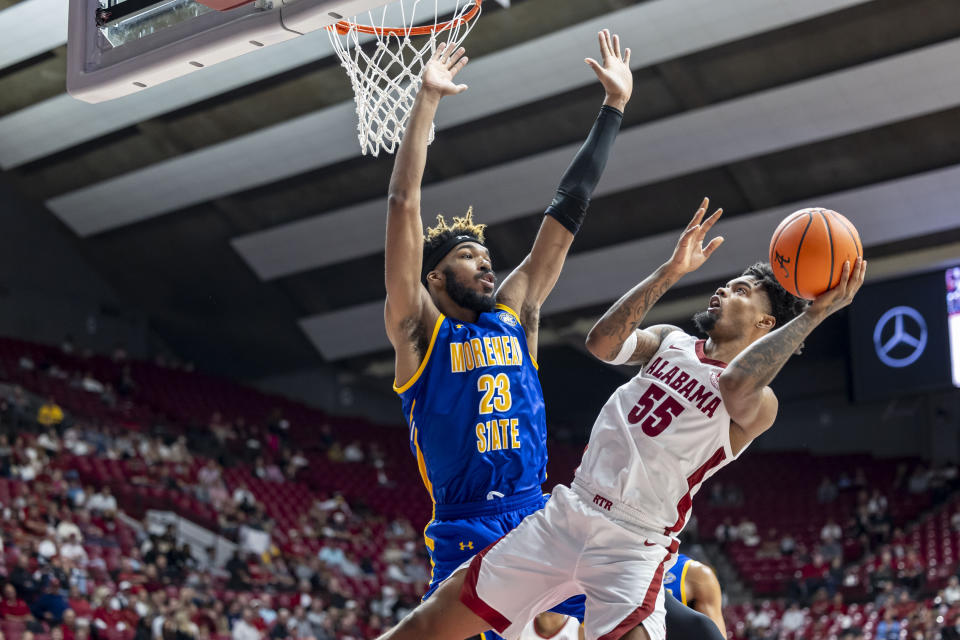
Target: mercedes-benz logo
[900,337]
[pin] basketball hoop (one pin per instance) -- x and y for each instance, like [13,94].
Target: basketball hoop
[387,76]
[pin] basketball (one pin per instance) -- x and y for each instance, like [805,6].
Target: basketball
[808,250]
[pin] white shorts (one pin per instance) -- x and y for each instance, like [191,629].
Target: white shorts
[568,548]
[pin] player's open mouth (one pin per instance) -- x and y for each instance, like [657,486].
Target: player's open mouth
[714,304]
[489,280]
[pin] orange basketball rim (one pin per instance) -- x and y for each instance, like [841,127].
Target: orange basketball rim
[344,27]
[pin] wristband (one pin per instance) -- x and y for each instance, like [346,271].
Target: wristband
[626,351]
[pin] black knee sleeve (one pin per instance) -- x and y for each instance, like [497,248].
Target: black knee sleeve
[683,623]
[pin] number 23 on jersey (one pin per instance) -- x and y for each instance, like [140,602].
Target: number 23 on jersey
[496,433]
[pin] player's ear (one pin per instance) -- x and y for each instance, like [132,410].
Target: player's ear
[434,276]
[767,322]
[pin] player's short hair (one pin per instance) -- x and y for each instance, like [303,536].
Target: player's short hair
[440,239]
[784,306]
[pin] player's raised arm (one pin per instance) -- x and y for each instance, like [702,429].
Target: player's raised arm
[749,401]
[528,286]
[406,297]
[616,337]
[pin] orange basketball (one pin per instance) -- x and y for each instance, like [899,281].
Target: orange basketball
[808,250]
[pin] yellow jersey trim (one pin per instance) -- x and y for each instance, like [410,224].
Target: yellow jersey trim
[683,583]
[426,358]
[504,307]
[422,466]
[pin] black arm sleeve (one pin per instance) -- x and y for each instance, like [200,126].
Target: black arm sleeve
[569,206]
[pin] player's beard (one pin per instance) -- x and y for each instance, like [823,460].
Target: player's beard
[705,321]
[466,297]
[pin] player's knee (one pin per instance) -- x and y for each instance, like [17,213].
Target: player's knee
[422,621]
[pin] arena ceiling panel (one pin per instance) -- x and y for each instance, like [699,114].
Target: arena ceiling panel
[233,207]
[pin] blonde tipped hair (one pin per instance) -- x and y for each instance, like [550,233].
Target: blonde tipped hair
[460,226]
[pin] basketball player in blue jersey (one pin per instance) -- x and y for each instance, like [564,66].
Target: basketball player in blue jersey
[466,368]
[695,585]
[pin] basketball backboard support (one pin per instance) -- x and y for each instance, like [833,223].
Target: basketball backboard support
[118,47]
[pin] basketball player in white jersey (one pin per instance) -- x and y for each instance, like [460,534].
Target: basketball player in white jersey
[692,409]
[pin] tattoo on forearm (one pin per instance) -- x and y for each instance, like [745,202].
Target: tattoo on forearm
[628,312]
[762,361]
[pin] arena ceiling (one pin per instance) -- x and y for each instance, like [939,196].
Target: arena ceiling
[233,207]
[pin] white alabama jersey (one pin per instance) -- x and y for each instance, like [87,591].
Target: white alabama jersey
[569,631]
[658,438]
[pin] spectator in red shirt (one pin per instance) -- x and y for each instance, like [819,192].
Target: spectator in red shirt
[205,619]
[837,605]
[34,523]
[68,625]
[13,608]
[110,614]
[79,604]
[813,574]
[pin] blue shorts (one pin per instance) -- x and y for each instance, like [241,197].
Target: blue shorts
[456,537]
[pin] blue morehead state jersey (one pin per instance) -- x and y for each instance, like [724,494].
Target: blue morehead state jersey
[476,414]
[674,580]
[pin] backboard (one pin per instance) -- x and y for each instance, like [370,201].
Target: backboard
[118,47]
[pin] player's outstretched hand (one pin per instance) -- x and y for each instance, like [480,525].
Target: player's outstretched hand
[690,253]
[613,70]
[832,300]
[441,69]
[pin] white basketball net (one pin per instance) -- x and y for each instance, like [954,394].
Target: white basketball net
[385,69]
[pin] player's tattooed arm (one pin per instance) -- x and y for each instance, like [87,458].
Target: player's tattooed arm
[621,322]
[612,331]
[744,383]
